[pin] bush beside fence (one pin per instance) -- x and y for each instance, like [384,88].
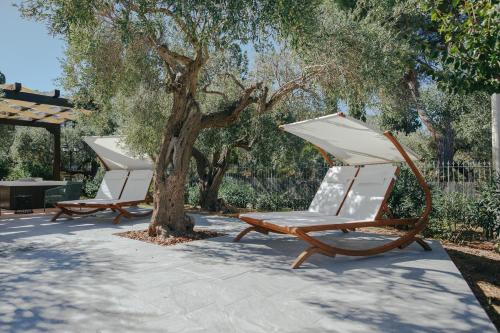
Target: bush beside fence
[466,199]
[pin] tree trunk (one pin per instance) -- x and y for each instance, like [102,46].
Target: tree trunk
[211,180]
[172,166]
[445,141]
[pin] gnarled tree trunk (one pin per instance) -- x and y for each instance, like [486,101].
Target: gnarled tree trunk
[444,140]
[211,174]
[172,165]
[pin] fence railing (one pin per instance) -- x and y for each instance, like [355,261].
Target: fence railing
[457,176]
[298,186]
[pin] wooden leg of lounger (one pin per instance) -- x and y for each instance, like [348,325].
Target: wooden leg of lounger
[123,212]
[423,244]
[59,213]
[419,241]
[116,220]
[247,230]
[307,253]
[243,233]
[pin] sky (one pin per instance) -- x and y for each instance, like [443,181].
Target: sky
[28,53]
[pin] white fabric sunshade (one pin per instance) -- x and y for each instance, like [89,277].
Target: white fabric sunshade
[115,155]
[349,140]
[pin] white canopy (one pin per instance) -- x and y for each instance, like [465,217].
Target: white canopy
[348,140]
[115,155]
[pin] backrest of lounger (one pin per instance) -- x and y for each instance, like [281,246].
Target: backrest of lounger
[137,185]
[368,192]
[332,190]
[112,184]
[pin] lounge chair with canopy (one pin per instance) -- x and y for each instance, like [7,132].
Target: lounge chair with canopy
[373,154]
[125,184]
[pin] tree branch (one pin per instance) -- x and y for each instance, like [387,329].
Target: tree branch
[214,92]
[202,162]
[231,113]
[235,80]
[299,83]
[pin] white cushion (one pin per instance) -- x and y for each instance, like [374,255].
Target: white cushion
[280,215]
[112,184]
[137,185]
[302,220]
[364,200]
[90,202]
[332,190]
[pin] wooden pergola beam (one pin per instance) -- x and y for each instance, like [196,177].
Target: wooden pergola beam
[30,123]
[54,100]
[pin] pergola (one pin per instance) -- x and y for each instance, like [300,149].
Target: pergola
[20,106]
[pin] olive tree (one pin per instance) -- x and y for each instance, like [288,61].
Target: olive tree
[182,36]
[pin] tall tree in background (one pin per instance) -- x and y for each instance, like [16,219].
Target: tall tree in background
[182,35]
[2,78]
[379,67]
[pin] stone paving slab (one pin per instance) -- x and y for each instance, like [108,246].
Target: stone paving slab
[76,276]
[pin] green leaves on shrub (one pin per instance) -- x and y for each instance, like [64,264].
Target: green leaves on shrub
[237,194]
[456,216]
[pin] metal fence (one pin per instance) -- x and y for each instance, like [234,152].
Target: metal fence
[295,187]
[457,176]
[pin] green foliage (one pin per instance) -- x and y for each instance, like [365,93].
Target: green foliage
[485,210]
[465,43]
[31,151]
[407,199]
[2,78]
[193,195]
[365,54]
[19,171]
[237,194]
[455,216]
[4,167]
[91,184]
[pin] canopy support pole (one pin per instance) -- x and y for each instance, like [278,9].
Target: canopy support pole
[325,156]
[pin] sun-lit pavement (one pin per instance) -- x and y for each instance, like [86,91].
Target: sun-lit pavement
[76,276]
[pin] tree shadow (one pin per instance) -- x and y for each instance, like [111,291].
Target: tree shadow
[411,290]
[12,229]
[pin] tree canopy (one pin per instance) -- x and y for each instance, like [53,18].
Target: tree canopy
[462,45]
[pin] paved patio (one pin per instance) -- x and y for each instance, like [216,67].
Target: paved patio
[77,276]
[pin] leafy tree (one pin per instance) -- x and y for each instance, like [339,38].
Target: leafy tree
[460,122]
[31,151]
[181,36]
[463,51]
[371,44]
[2,78]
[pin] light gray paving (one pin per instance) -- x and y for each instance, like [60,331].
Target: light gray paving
[76,276]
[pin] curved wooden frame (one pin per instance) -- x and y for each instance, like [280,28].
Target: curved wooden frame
[65,209]
[317,246]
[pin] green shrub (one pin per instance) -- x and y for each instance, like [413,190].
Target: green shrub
[32,152]
[455,216]
[4,167]
[193,195]
[449,216]
[237,194]
[18,172]
[91,184]
[407,198]
[485,210]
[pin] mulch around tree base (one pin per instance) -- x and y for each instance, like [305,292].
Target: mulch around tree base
[142,235]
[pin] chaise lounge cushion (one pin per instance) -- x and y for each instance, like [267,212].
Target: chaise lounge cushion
[363,202]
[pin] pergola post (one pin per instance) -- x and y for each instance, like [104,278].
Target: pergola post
[56,165]
[56,168]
